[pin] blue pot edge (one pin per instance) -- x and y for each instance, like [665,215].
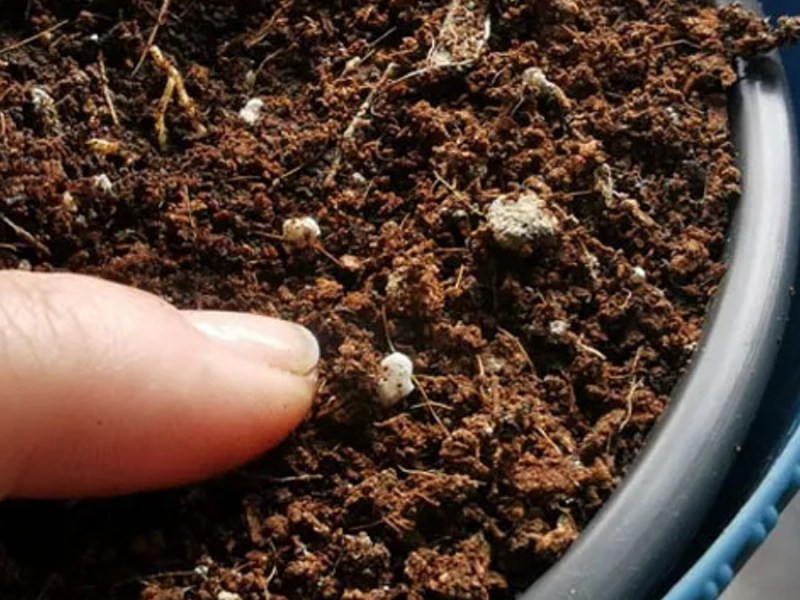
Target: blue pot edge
[748,530]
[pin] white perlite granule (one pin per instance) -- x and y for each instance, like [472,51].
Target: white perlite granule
[301,232]
[519,221]
[251,112]
[396,381]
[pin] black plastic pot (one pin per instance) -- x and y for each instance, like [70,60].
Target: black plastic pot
[646,526]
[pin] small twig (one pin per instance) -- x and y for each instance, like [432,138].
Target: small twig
[566,216]
[593,351]
[264,62]
[549,440]
[287,174]
[424,70]
[522,349]
[429,406]
[271,236]
[190,211]
[672,43]
[26,236]
[321,249]
[358,61]
[450,188]
[385,322]
[432,403]
[635,384]
[162,13]
[270,577]
[460,277]
[408,471]
[481,368]
[357,121]
[33,38]
[318,247]
[264,31]
[107,91]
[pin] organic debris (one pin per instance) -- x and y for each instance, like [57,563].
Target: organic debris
[464,34]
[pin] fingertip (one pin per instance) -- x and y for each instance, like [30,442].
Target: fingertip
[152,402]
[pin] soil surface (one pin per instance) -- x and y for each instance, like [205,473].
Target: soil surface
[543,355]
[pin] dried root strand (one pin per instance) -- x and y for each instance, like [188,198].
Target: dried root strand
[42,34]
[161,115]
[604,185]
[358,121]
[107,95]
[463,36]
[174,87]
[25,236]
[162,16]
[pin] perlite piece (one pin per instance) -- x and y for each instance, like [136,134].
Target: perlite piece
[45,110]
[103,183]
[464,34]
[519,222]
[251,112]
[638,274]
[559,328]
[535,80]
[397,379]
[301,232]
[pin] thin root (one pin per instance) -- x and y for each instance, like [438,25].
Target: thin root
[385,322]
[161,114]
[162,15]
[519,344]
[265,29]
[26,236]
[33,38]
[429,406]
[174,85]
[109,98]
[549,440]
[321,249]
[635,385]
[592,351]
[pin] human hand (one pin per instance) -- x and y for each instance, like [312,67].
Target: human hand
[108,390]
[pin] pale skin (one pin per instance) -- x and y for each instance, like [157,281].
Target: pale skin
[106,390]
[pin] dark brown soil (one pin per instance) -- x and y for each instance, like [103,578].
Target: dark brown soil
[540,371]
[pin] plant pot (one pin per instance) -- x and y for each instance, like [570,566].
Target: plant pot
[650,521]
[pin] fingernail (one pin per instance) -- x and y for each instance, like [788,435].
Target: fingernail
[279,344]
